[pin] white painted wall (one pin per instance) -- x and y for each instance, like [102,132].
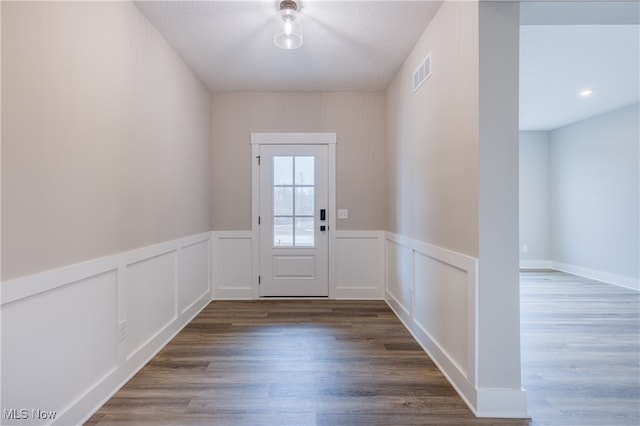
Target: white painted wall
[498,297]
[595,193]
[534,199]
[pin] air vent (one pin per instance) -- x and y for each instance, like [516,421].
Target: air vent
[422,73]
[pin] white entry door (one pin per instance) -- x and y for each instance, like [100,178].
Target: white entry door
[294,220]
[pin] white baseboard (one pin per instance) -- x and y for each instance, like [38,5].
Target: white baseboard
[535,264]
[62,349]
[619,280]
[502,403]
[606,277]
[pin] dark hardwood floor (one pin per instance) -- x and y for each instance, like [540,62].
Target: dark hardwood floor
[292,362]
[580,350]
[323,362]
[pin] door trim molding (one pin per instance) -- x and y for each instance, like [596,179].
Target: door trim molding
[292,138]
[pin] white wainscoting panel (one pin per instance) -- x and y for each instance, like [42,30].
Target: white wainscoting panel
[148,316]
[433,292]
[359,264]
[58,344]
[441,309]
[233,265]
[400,276]
[593,274]
[193,278]
[63,345]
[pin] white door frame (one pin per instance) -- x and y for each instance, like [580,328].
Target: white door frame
[257,139]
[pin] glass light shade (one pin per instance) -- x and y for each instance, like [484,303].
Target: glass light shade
[287,32]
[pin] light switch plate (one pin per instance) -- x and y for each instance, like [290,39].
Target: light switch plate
[343,213]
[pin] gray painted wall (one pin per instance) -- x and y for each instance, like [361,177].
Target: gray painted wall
[594,193]
[356,117]
[579,194]
[534,196]
[105,136]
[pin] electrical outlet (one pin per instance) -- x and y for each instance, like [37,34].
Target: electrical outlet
[525,248]
[122,330]
[343,213]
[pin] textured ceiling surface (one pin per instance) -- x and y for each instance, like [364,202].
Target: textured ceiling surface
[348,45]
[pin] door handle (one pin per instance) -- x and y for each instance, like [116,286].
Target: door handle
[323,214]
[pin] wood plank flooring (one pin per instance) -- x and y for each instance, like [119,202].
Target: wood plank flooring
[580,350]
[323,362]
[291,362]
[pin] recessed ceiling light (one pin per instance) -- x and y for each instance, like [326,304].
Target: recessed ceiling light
[586,93]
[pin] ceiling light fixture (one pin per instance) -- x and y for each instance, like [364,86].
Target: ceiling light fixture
[288,29]
[586,93]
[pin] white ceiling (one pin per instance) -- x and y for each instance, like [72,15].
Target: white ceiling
[359,45]
[559,61]
[348,45]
